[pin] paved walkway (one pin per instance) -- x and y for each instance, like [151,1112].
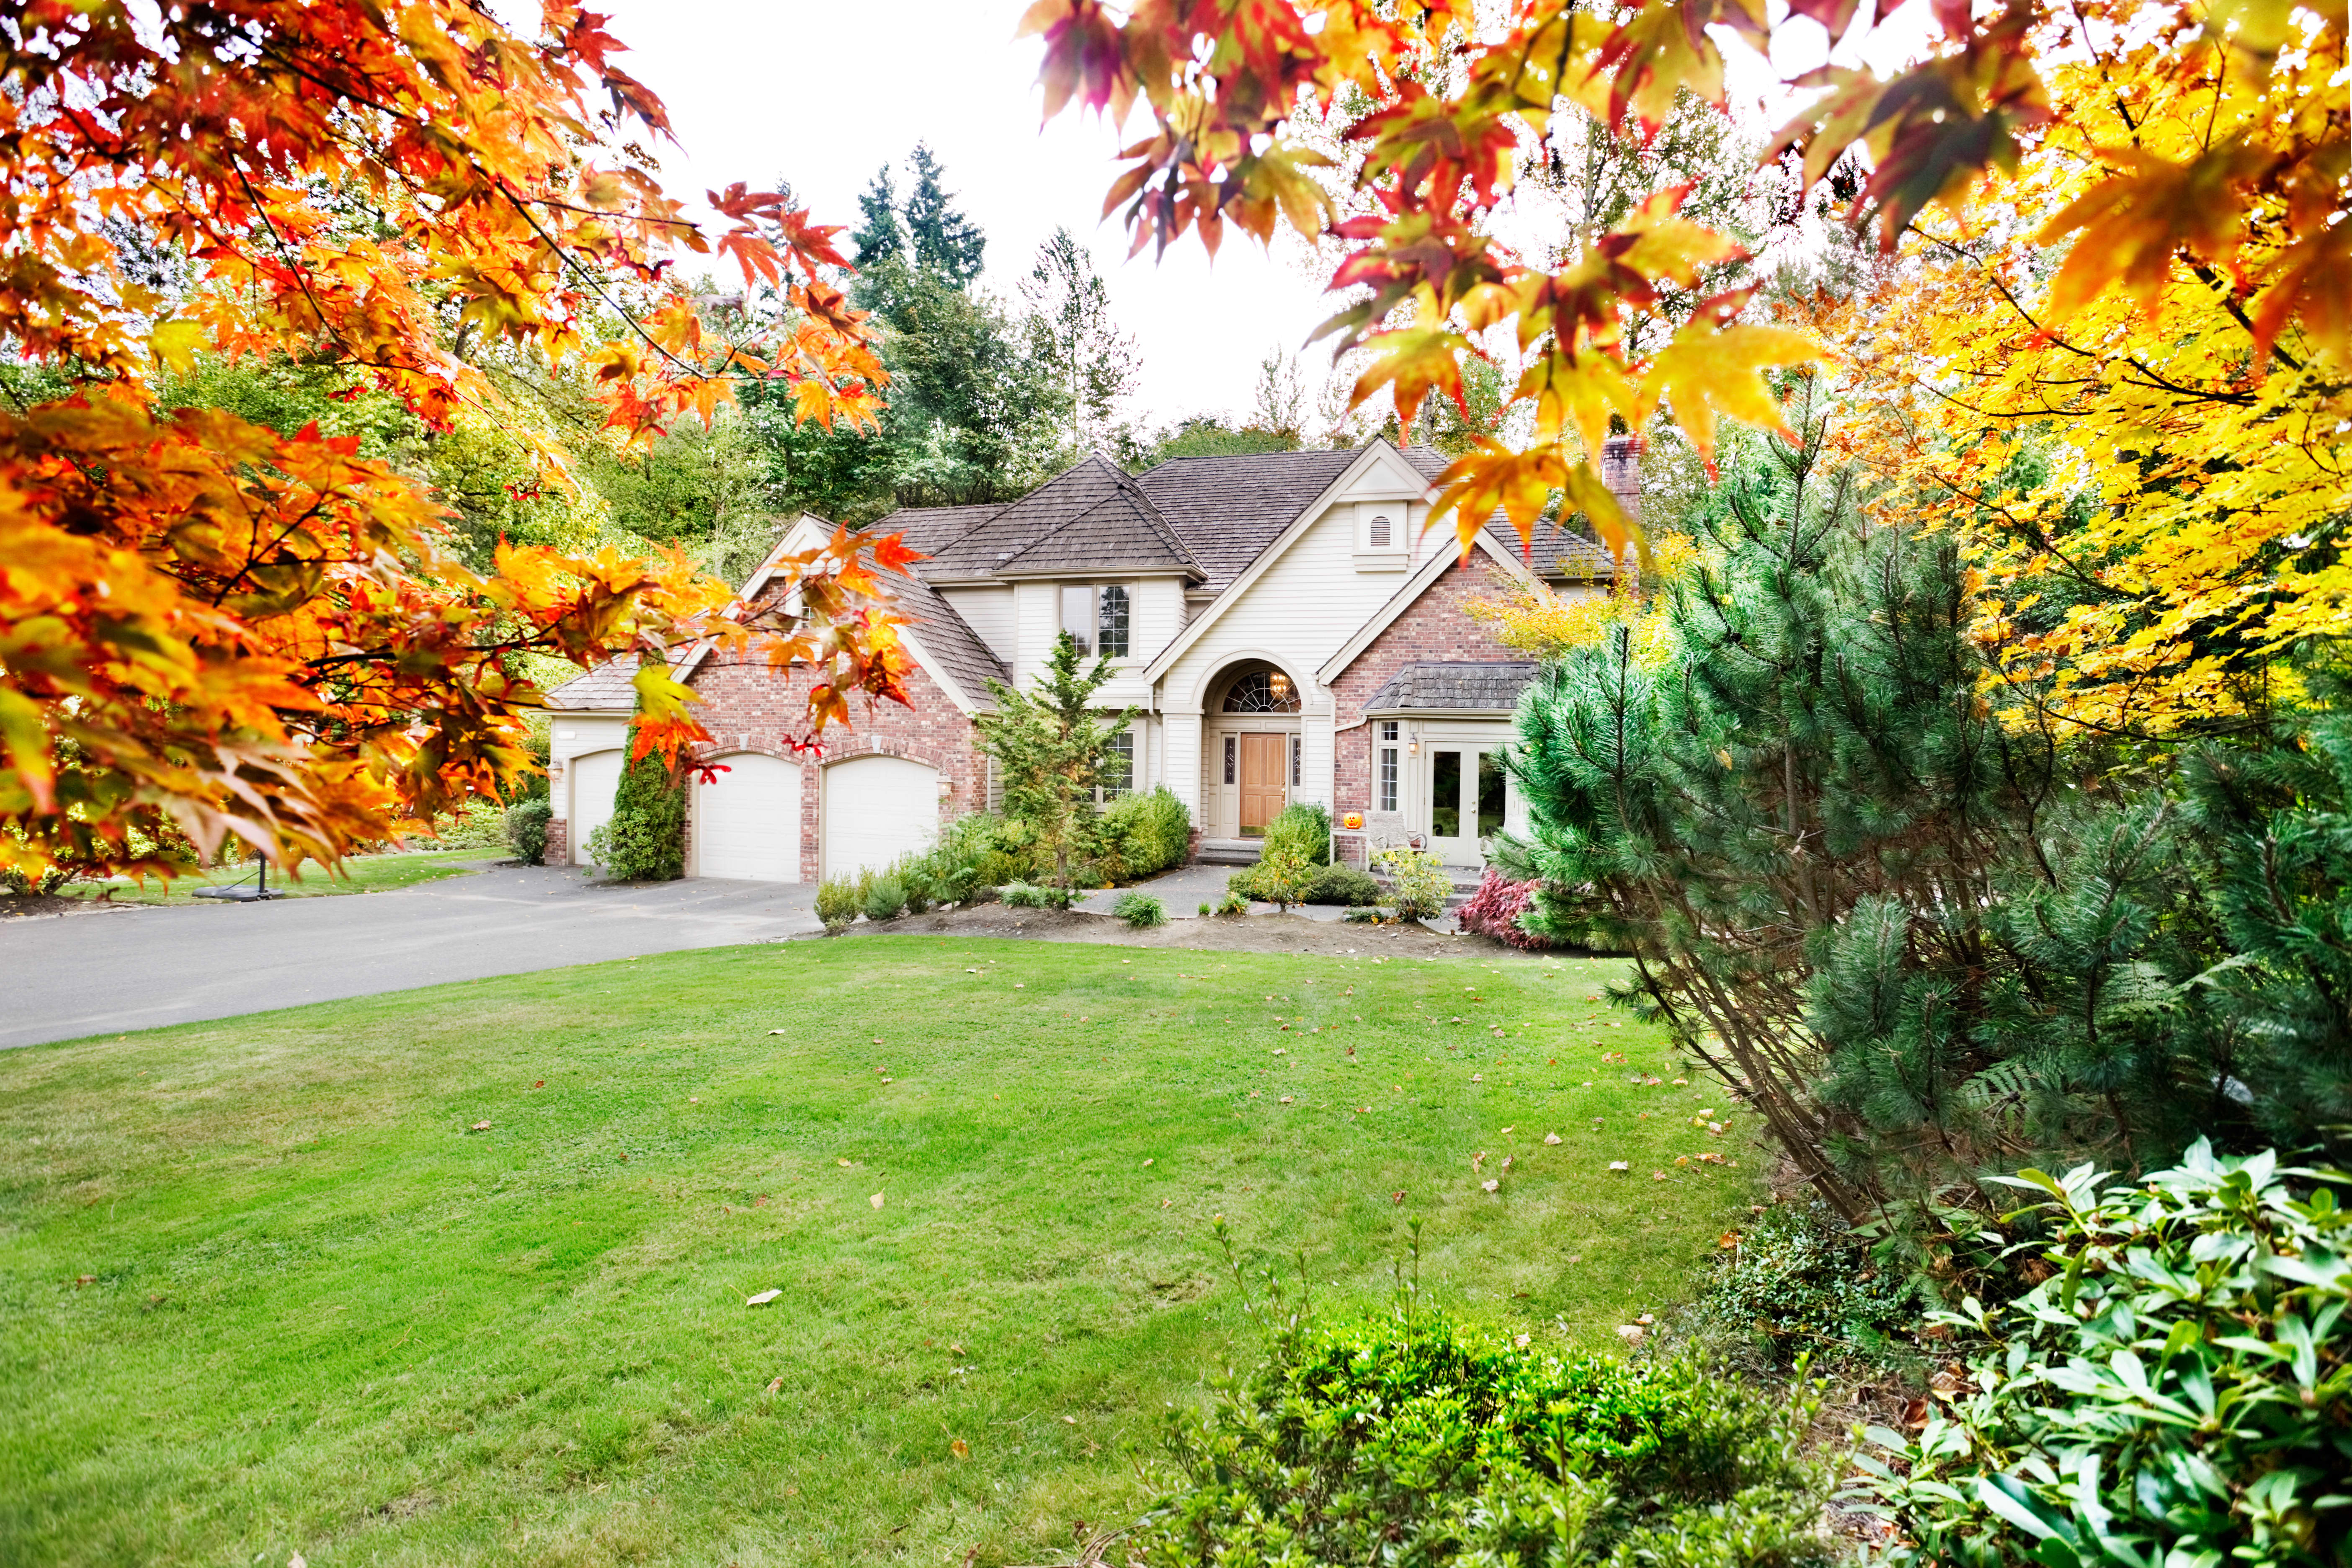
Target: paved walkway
[66,976]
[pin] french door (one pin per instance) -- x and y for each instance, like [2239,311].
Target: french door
[1468,799]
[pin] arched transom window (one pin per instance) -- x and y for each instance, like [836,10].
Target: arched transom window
[1262,692]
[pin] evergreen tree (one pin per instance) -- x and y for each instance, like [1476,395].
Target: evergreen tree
[1049,746]
[880,237]
[645,838]
[945,243]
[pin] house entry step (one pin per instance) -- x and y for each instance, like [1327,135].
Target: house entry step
[1231,851]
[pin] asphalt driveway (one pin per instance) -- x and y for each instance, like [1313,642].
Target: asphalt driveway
[66,976]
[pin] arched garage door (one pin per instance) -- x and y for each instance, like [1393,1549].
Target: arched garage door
[876,809]
[747,824]
[594,776]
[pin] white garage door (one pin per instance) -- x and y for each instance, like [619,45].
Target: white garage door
[876,809]
[747,824]
[594,776]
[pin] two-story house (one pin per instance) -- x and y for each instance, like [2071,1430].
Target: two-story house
[1283,623]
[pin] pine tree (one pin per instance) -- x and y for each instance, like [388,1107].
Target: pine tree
[946,244]
[1049,746]
[880,237]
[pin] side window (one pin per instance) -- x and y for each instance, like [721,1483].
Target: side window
[1233,755]
[1118,777]
[1389,770]
[1297,752]
[1078,617]
[1380,534]
[1110,619]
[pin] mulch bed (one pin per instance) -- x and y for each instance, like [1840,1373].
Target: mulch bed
[1239,933]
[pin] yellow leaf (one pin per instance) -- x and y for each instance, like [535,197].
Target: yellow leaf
[174,344]
[1709,370]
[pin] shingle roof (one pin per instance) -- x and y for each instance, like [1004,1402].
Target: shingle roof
[1093,518]
[605,688]
[1453,686]
[947,639]
[1555,552]
[932,529]
[1228,509]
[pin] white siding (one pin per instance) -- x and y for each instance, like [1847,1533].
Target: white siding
[990,614]
[568,736]
[1037,618]
[1180,735]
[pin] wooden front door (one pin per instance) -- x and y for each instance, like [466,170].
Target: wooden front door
[1265,782]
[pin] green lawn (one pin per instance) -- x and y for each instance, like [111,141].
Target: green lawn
[265,1292]
[360,874]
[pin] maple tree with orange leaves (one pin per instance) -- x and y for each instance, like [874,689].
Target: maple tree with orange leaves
[212,628]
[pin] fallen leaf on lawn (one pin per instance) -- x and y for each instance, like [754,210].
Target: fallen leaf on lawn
[763,1298]
[1552,1137]
[844,1162]
[1286,1099]
[1728,1238]
[1631,1334]
[777,1386]
[1478,1077]
[540,1084]
[1019,985]
[296,1561]
[1620,1165]
[1658,1175]
[959,1448]
[1645,1319]
[1490,1184]
[1399,1198]
[1147,1162]
[775,1031]
[875,1200]
[1506,1132]
[1071,1419]
[1519,1340]
[481,1127]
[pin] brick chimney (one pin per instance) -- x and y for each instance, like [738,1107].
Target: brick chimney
[1621,470]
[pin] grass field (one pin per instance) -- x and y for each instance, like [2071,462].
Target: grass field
[360,874]
[267,1291]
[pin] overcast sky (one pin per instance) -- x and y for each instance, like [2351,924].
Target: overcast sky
[821,93]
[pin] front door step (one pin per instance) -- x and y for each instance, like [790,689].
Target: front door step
[1231,851]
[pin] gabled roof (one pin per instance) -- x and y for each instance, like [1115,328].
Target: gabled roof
[1228,510]
[932,529]
[1094,518]
[604,689]
[1435,565]
[1454,687]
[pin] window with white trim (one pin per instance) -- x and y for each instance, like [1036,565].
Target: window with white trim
[1390,769]
[1099,617]
[1078,617]
[1112,621]
[1117,776]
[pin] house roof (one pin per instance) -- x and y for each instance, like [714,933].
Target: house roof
[952,647]
[932,529]
[1093,518]
[604,689]
[1555,551]
[1454,687]
[1227,510]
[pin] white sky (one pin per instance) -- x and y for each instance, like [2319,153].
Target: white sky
[823,93]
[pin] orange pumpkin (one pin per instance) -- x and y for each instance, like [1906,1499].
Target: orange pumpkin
[1352,821]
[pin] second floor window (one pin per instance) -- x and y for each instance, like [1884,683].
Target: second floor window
[1117,775]
[1098,618]
[1111,618]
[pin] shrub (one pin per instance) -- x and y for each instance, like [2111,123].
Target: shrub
[1303,829]
[837,901]
[1205,906]
[481,826]
[1282,876]
[1025,895]
[2176,1391]
[1140,910]
[1495,909]
[644,840]
[527,829]
[1139,835]
[1365,916]
[1232,903]
[885,899]
[1411,1439]
[1341,885]
[1418,883]
[1801,1282]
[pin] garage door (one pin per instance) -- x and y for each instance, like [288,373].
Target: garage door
[747,824]
[876,809]
[594,778]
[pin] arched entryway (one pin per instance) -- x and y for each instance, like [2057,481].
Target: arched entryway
[1251,761]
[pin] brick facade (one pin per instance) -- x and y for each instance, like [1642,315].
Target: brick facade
[750,706]
[1438,626]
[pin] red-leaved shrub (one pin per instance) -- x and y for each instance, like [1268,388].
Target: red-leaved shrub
[1494,908]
